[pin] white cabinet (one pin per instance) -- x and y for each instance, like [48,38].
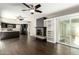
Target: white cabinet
[51,29]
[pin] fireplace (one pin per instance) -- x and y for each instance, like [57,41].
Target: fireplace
[41,31]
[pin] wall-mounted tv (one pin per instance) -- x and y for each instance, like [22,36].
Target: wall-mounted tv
[5,25]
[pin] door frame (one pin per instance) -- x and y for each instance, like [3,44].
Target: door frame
[70,17]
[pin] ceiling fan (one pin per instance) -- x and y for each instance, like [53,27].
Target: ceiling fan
[20,18]
[32,8]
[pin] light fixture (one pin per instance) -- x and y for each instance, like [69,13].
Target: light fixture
[20,18]
[32,11]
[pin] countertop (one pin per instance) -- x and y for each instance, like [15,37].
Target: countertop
[9,31]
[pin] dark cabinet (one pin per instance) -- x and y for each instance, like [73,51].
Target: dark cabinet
[5,25]
[9,35]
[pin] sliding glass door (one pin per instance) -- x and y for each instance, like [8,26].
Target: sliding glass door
[69,31]
[75,32]
[65,31]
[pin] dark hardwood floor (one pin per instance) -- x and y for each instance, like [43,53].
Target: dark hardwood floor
[32,46]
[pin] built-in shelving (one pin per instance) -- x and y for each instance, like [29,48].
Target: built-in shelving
[50,24]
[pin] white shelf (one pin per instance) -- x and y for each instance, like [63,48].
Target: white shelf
[51,30]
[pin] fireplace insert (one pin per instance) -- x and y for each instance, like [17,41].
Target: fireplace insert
[41,31]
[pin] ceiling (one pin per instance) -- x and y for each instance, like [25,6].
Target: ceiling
[13,10]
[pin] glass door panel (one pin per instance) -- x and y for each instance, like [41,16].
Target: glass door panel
[65,31]
[69,31]
[75,32]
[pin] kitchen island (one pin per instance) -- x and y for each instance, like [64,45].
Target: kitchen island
[9,34]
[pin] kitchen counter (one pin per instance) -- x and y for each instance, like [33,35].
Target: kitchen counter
[9,34]
[9,31]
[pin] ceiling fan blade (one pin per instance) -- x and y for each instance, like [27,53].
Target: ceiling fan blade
[37,6]
[25,9]
[38,11]
[26,5]
[31,6]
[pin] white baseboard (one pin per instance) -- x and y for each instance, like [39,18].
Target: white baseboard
[41,37]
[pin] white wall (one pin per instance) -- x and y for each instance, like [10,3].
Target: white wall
[17,28]
[32,26]
[71,10]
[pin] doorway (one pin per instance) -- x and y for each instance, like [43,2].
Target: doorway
[69,32]
[24,29]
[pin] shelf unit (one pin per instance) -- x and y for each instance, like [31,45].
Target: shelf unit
[51,29]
